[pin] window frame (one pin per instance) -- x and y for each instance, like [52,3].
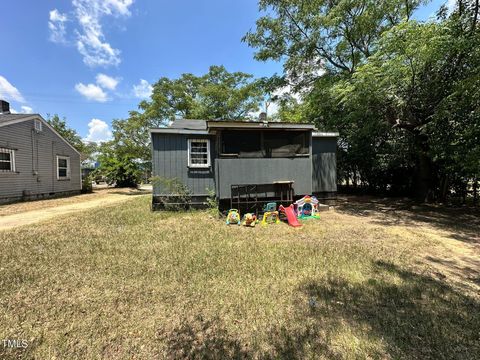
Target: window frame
[38,125]
[189,152]
[11,152]
[68,168]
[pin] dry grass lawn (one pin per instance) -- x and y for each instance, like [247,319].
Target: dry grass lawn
[372,279]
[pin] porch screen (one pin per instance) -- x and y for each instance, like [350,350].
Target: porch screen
[285,143]
[242,143]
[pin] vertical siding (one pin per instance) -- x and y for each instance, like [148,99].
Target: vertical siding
[324,160]
[170,160]
[264,171]
[36,152]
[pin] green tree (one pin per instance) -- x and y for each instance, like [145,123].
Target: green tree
[403,94]
[218,94]
[118,166]
[86,149]
[318,36]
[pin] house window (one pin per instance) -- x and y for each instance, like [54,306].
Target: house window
[199,153]
[7,160]
[63,167]
[38,125]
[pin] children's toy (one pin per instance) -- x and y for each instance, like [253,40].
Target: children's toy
[233,217]
[307,207]
[249,220]
[271,206]
[290,214]
[270,217]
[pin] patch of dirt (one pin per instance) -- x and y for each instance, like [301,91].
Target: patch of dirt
[454,233]
[26,213]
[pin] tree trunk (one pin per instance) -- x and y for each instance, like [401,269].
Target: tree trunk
[444,189]
[423,179]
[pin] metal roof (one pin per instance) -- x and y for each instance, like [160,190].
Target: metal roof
[194,126]
[189,124]
[325,134]
[216,124]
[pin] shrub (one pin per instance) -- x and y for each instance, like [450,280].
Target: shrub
[179,196]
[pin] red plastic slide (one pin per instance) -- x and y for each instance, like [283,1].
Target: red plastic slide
[291,217]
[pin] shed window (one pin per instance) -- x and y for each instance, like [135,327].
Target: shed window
[63,167]
[199,153]
[7,160]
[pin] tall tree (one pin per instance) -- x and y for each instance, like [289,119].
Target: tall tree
[218,94]
[60,125]
[323,35]
[400,92]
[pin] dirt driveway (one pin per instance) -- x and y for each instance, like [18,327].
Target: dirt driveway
[26,213]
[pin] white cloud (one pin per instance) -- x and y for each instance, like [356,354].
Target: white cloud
[9,92]
[98,131]
[143,90]
[107,82]
[57,26]
[92,92]
[27,109]
[91,42]
[90,38]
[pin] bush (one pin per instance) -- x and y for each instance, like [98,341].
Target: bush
[87,184]
[179,196]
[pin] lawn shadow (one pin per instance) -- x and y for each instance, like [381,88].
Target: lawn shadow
[208,338]
[412,316]
[131,192]
[418,318]
[462,224]
[201,338]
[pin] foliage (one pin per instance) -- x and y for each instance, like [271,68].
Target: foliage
[212,203]
[403,94]
[179,196]
[219,94]
[60,125]
[118,167]
[87,184]
[320,36]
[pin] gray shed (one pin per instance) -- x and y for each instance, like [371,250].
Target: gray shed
[243,162]
[35,161]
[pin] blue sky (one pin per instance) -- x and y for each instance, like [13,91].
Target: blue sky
[92,61]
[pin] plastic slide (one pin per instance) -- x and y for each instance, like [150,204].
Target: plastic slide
[291,217]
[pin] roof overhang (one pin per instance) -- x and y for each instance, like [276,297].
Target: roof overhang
[179,131]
